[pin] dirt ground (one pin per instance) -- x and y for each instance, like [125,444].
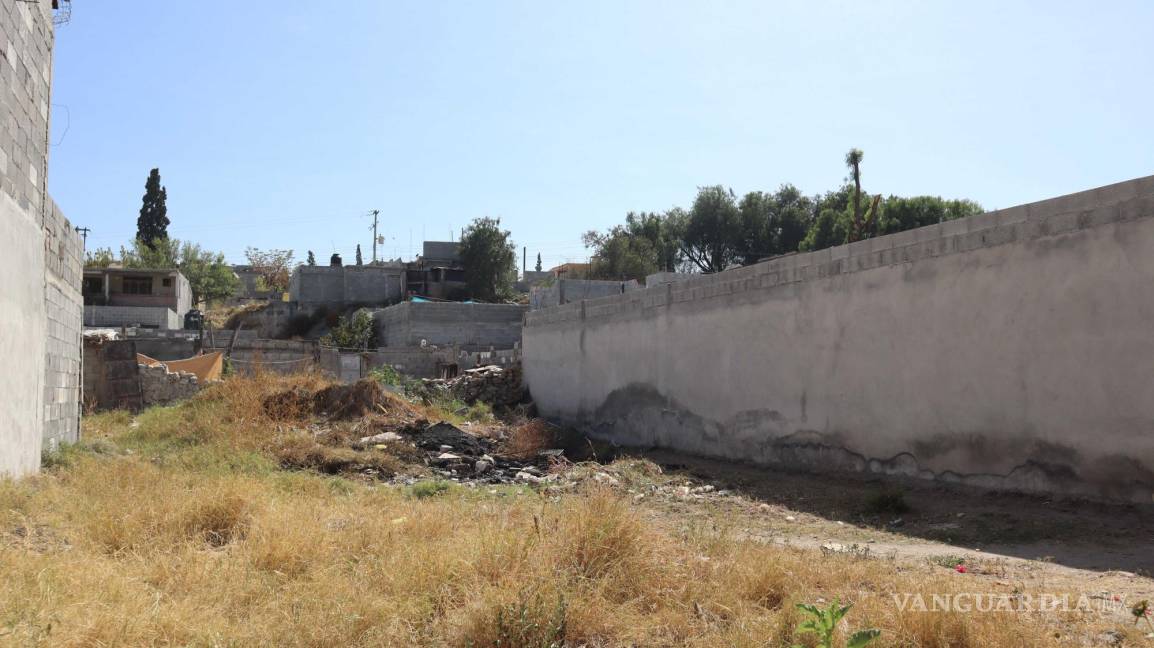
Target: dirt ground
[1008,539]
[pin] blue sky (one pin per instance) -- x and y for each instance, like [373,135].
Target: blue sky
[280,125]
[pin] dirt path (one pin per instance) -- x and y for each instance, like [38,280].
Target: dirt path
[1003,539]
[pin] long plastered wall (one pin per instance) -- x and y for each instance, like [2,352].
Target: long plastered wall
[1010,350]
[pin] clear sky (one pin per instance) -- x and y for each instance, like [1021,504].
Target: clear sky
[280,125]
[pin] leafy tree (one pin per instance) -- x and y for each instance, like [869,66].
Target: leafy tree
[772,223]
[489,259]
[99,258]
[899,214]
[152,224]
[351,332]
[647,243]
[538,267]
[359,260]
[312,260]
[831,222]
[827,230]
[209,276]
[273,267]
[713,235]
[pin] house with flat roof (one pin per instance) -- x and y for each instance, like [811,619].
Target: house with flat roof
[139,297]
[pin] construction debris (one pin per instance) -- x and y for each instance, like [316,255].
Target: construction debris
[498,386]
[159,386]
[336,402]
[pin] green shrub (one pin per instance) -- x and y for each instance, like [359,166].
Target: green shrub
[432,488]
[823,623]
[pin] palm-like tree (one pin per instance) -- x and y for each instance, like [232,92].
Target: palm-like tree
[860,229]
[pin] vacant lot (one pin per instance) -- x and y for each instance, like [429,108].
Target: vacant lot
[218,523]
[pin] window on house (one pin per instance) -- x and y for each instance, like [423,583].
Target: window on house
[166,282]
[137,286]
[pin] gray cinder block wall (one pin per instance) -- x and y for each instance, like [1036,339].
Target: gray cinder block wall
[64,260]
[472,326]
[40,254]
[1009,350]
[375,285]
[567,291]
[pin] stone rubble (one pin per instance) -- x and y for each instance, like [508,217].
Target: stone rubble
[159,386]
[498,386]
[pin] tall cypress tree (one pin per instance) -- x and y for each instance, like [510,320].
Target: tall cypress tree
[538,262]
[312,259]
[153,222]
[359,254]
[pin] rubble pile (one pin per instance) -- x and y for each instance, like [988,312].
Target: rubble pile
[159,386]
[337,402]
[499,386]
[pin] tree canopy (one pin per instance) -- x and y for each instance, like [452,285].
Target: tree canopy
[489,259]
[648,242]
[273,267]
[720,231]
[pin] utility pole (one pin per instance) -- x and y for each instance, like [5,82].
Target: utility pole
[524,259]
[84,233]
[375,213]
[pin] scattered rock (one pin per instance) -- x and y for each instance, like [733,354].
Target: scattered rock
[790,518]
[383,437]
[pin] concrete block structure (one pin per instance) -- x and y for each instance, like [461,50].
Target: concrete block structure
[467,325]
[312,287]
[152,298]
[1009,350]
[40,254]
[566,291]
[437,273]
[249,286]
[64,260]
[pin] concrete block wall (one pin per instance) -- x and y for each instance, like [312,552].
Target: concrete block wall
[567,291]
[415,362]
[117,316]
[279,356]
[1007,350]
[473,326]
[64,260]
[39,252]
[26,39]
[313,286]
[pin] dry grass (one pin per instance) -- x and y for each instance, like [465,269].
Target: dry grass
[197,537]
[528,439]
